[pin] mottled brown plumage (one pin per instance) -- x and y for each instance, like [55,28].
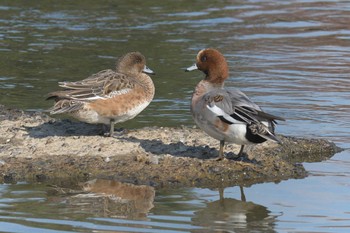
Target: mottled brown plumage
[107,97]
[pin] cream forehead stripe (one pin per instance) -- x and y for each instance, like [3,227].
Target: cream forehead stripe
[199,54]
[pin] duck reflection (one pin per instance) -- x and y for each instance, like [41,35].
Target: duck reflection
[110,198]
[229,214]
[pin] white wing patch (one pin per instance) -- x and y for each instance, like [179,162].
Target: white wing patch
[110,95]
[94,98]
[219,112]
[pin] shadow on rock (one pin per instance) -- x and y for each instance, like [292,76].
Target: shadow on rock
[64,127]
[178,149]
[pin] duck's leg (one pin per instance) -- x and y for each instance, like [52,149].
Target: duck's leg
[221,150]
[240,153]
[104,130]
[111,129]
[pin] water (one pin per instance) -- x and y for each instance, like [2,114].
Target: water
[291,57]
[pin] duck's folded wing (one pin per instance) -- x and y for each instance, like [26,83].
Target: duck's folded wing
[66,106]
[235,107]
[102,85]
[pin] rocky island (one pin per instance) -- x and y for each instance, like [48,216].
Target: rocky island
[37,148]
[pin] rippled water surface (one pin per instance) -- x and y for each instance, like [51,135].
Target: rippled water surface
[291,57]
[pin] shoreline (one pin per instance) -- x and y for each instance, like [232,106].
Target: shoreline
[37,148]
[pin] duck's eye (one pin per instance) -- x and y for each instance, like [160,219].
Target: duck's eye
[138,60]
[204,59]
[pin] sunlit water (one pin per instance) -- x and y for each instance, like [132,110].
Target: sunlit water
[291,57]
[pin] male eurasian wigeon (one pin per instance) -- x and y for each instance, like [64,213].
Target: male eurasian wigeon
[108,97]
[227,114]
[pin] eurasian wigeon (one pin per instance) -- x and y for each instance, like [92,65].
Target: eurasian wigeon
[108,97]
[227,115]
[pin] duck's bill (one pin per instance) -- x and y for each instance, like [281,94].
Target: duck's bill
[147,70]
[193,67]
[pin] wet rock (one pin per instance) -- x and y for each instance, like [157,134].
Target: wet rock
[38,148]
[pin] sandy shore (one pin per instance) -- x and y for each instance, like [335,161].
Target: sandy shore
[35,147]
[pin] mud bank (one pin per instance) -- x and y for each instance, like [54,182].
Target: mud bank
[36,148]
